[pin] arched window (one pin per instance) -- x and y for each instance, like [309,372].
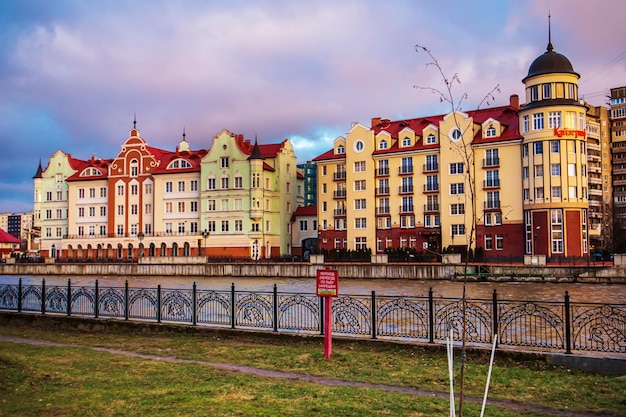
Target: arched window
[382,144]
[134,168]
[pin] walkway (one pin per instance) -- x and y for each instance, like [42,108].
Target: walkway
[308,378]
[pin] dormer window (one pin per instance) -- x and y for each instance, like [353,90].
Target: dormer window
[406,141]
[341,150]
[490,132]
[179,163]
[90,172]
[382,144]
[431,139]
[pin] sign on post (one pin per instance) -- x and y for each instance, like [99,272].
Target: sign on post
[328,287]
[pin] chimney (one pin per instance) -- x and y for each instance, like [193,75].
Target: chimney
[514,101]
[375,121]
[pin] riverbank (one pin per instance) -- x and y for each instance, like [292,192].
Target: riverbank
[477,272]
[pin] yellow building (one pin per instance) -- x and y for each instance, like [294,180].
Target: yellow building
[419,184]
[618,149]
[554,159]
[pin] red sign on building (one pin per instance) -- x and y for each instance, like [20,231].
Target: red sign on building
[327,283]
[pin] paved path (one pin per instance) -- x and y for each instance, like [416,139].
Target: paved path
[308,378]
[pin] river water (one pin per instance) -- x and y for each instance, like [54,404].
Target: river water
[593,293]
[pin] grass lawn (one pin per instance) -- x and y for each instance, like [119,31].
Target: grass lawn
[78,381]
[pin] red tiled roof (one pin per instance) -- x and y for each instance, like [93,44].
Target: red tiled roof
[8,238]
[304,211]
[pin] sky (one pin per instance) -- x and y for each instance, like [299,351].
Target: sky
[75,74]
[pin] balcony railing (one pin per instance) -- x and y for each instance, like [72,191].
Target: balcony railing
[382,210]
[430,168]
[406,208]
[431,188]
[405,189]
[494,183]
[491,162]
[340,212]
[382,172]
[339,176]
[492,205]
[382,191]
[405,170]
[431,208]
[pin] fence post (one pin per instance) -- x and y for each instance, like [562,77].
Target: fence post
[568,326]
[495,315]
[96,297]
[275,307]
[69,297]
[194,313]
[431,316]
[232,305]
[158,306]
[19,296]
[43,296]
[373,314]
[126,307]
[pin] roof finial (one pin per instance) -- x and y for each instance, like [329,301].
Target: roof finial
[550,47]
[184,134]
[135,121]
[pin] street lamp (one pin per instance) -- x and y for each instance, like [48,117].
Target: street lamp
[205,235]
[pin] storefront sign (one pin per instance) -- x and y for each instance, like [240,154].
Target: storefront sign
[560,132]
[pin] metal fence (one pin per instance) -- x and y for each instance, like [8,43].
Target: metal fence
[550,326]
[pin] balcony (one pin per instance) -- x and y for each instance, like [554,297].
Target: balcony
[431,208]
[431,188]
[339,176]
[494,183]
[405,170]
[382,191]
[405,189]
[406,208]
[491,162]
[340,212]
[430,168]
[493,205]
[382,210]
[382,172]
[339,194]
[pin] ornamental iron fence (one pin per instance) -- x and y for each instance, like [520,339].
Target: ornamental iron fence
[551,326]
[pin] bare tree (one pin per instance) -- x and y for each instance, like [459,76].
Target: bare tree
[464,149]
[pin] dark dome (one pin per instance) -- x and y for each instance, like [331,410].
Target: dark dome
[550,62]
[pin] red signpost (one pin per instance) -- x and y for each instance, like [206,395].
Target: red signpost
[328,287]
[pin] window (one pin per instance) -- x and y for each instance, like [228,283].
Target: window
[431,163]
[103,211]
[211,226]
[491,157]
[103,192]
[133,209]
[407,185]
[92,193]
[181,228]
[554,119]
[488,242]
[538,193]
[493,199]
[120,210]
[525,150]
[193,206]
[383,167]
[224,181]
[538,171]
[359,166]
[224,162]
[360,223]
[525,124]
[359,185]
[457,229]
[571,170]
[239,182]
[572,191]
[193,227]
[406,166]
[456,209]
[224,205]
[148,189]
[556,220]
[224,225]
[406,141]
[81,193]
[210,183]
[168,187]
[457,188]
[360,243]
[431,139]
[493,177]
[570,119]
[238,225]
[538,148]
[499,242]
[181,206]
[526,194]
[490,132]
[456,168]
[211,206]
[525,172]
[304,225]
[537,121]
[555,170]
[48,195]
[359,204]
[534,93]
[340,150]
[134,168]
[193,185]
[181,186]
[547,91]
[432,183]
[555,192]
[554,146]
[81,212]
[382,144]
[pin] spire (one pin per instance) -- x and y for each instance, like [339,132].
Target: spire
[183,145]
[39,173]
[550,47]
[184,140]
[256,151]
[135,121]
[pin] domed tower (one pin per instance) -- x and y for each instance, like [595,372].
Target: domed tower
[554,158]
